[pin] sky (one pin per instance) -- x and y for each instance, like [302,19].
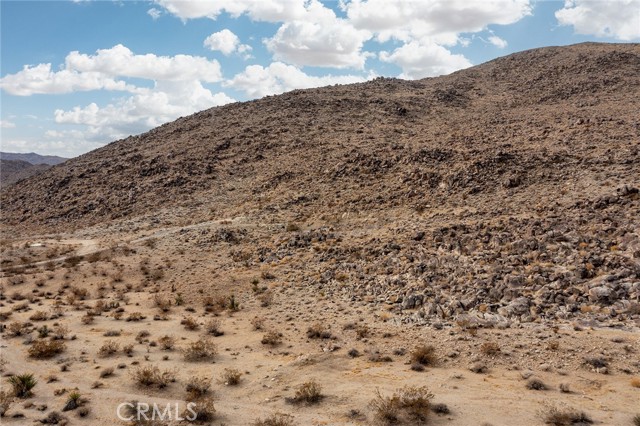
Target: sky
[75,75]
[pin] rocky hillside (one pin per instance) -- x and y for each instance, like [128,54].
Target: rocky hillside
[508,189]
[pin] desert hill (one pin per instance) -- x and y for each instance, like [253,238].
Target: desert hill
[525,127]
[33,158]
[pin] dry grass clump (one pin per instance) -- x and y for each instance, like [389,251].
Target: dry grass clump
[258,322]
[635,382]
[318,331]
[17,328]
[167,342]
[149,376]
[39,316]
[309,392]
[231,376]
[272,338]
[204,410]
[161,302]
[42,349]
[190,323]
[409,405]
[277,419]
[200,350]
[197,387]
[424,355]
[490,348]
[213,327]
[565,417]
[6,398]
[109,348]
[135,316]
[536,384]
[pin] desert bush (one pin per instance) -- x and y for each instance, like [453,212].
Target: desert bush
[142,335]
[108,348]
[190,323]
[197,387]
[42,349]
[258,322]
[213,327]
[161,302]
[83,412]
[231,376]
[200,350]
[6,398]
[74,400]
[16,329]
[167,342]
[490,348]
[112,333]
[318,331]
[277,419]
[204,409]
[536,384]
[555,416]
[23,384]
[128,349]
[88,318]
[564,388]
[409,405]
[107,372]
[362,332]
[425,355]
[272,338]
[149,376]
[135,316]
[39,316]
[440,408]
[309,392]
[596,362]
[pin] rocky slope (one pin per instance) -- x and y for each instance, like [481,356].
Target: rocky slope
[505,191]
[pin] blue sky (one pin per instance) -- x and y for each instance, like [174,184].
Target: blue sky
[75,75]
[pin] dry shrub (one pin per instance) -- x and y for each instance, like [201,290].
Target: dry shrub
[39,316]
[16,329]
[555,416]
[258,322]
[42,349]
[190,323]
[200,350]
[109,348]
[277,419]
[318,331]
[6,398]
[167,342]
[424,355]
[536,384]
[197,387]
[135,316]
[231,376]
[213,327]
[272,338]
[161,302]
[149,376]
[309,392]
[635,382]
[205,410]
[490,348]
[409,405]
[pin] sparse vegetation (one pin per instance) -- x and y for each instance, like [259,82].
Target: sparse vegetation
[197,387]
[201,350]
[276,419]
[409,405]
[309,392]
[272,338]
[424,355]
[231,376]
[149,376]
[43,349]
[23,384]
[555,416]
[108,348]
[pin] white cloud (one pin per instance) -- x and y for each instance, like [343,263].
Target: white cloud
[440,20]
[226,42]
[424,59]
[100,71]
[257,81]
[319,38]
[617,19]
[6,124]
[153,107]
[497,41]
[154,13]
[258,10]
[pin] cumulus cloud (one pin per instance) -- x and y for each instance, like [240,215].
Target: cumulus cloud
[150,108]
[420,59]
[101,72]
[319,38]
[263,10]
[226,42]
[6,124]
[257,81]
[617,19]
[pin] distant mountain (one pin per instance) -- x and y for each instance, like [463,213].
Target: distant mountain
[33,158]
[12,171]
